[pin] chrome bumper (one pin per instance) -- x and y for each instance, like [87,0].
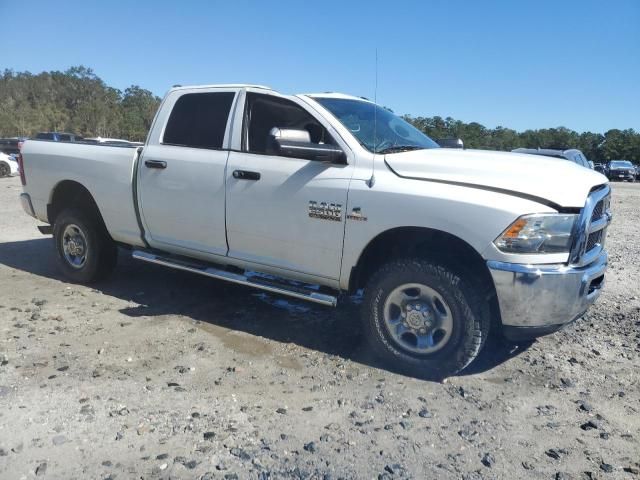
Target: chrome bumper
[546,297]
[27,206]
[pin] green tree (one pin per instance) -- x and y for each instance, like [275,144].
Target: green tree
[138,109]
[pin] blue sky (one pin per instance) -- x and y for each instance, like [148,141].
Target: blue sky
[518,63]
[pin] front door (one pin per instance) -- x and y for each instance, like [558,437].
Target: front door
[285,212]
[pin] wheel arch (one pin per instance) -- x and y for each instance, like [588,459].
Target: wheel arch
[427,243]
[72,194]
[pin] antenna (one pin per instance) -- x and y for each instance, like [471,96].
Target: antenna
[372,180]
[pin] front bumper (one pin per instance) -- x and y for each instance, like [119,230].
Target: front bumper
[536,300]
[621,175]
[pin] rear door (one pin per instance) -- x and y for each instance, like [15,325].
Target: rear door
[181,180]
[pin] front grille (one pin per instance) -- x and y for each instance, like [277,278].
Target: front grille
[594,240]
[592,229]
[598,211]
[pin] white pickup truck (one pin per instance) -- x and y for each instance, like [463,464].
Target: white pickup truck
[318,195]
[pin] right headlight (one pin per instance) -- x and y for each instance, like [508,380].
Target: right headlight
[538,233]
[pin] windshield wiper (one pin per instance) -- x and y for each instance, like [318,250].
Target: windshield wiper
[400,148]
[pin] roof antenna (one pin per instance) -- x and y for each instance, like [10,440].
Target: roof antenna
[372,180]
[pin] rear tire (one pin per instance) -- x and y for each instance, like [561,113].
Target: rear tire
[424,319]
[86,252]
[5,171]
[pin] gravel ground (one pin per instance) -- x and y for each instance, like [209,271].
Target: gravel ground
[162,374]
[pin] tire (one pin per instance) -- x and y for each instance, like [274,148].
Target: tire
[90,254]
[454,306]
[5,171]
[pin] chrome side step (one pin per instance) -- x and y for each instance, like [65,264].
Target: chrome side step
[248,280]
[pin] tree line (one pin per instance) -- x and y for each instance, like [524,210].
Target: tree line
[614,144]
[79,101]
[76,101]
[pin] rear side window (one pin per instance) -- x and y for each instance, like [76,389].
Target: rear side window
[199,120]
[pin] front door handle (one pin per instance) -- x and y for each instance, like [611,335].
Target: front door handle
[155,164]
[246,175]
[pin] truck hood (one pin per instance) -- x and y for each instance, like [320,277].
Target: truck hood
[552,181]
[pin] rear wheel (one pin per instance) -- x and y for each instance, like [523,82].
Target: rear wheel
[86,252]
[423,318]
[5,171]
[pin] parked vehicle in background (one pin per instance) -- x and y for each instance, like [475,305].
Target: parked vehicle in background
[621,170]
[573,155]
[600,168]
[8,165]
[314,196]
[11,146]
[58,136]
[112,141]
[450,142]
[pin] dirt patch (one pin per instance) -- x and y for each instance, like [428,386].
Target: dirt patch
[161,374]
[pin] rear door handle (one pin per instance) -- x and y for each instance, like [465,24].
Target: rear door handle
[155,164]
[246,175]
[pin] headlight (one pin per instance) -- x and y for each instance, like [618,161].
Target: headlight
[538,233]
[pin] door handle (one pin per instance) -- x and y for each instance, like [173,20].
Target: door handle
[246,175]
[155,164]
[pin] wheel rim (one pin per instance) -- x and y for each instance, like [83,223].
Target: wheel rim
[74,246]
[4,170]
[418,318]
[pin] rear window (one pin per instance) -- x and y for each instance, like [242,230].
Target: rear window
[199,120]
[45,136]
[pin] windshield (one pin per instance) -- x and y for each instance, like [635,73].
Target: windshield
[376,128]
[621,164]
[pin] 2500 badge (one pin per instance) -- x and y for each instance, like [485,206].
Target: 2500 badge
[325,211]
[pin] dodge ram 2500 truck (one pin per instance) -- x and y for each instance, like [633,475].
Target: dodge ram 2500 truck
[317,195]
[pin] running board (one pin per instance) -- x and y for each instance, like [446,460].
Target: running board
[250,281]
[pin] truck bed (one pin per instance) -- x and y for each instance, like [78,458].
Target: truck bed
[107,171]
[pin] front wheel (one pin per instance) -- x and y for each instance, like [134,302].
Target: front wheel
[423,318]
[86,252]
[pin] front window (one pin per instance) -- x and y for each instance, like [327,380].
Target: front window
[621,164]
[264,112]
[376,128]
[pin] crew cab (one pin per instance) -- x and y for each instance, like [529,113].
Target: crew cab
[318,195]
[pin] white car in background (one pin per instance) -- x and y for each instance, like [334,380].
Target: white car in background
[8,165]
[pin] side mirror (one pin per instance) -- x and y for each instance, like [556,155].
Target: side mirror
[297,144]
[450,142]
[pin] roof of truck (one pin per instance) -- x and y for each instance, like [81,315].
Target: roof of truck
[220,85]
[337,95]
[263,87]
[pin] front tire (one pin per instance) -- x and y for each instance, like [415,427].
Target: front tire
[86,252]
[423,318]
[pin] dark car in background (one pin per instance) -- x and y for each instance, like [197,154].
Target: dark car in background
[621,170]
[11,146]
[58,136]
[573,155]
